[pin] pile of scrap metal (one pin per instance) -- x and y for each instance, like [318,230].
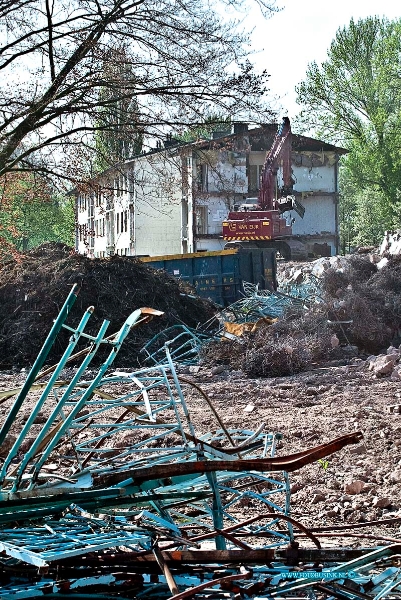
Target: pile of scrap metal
[256,309]
[107,489]
[261,307]
[183,343]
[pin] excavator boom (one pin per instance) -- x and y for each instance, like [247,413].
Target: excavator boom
[280,151]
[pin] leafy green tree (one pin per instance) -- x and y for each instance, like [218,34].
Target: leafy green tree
[51,221]
[363,214]
[31,214]
[354,99]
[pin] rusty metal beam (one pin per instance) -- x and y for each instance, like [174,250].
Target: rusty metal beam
[289,463]
[203,557]
[261,556]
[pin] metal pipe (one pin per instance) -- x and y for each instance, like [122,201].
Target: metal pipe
[289,463]
[192,591]
[214,411]
[165,570]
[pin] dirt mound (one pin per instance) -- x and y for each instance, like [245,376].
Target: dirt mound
[33,289]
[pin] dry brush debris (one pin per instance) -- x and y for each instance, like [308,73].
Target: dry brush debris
[33,289]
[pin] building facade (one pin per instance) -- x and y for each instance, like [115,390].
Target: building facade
[174,199]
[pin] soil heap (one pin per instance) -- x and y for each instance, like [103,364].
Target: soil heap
[34,288]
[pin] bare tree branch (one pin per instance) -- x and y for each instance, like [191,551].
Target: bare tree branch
[184,59]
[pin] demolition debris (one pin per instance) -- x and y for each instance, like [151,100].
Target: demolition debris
[109,487]
[331,308]
[116,493]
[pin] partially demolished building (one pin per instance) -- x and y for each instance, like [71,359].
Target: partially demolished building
[174,199]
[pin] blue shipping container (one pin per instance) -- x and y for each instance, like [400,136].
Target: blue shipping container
[219,275]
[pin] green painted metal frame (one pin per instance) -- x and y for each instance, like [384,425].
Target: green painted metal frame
[183,342]
[150,407]
[39,362]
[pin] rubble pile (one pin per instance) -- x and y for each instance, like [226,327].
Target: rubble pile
[329,309]
[369,299]
[33,289]
[356,299]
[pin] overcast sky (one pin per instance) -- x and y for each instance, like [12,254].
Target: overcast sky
[302,32]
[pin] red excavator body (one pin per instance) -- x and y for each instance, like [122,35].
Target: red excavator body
[255,225]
